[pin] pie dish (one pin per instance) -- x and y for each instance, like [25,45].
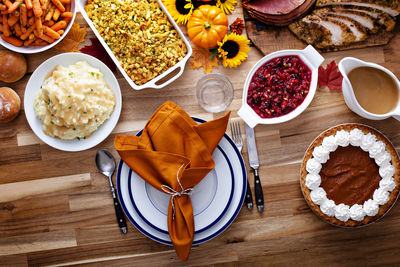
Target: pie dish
[350,175]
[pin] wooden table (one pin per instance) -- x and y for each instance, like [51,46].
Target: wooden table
[60,210]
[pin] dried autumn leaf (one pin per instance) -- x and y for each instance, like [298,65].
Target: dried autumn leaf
[201,58]
[330,76]
[71,42]
[98,51]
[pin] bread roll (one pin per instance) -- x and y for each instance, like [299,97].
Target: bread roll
[12,66]
[10,104]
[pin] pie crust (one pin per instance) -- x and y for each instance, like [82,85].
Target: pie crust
[395,161]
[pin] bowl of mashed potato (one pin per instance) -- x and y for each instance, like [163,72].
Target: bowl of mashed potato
[72,101]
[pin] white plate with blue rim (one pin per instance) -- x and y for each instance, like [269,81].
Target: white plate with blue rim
[216,200]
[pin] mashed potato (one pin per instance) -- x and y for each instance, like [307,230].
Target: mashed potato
[74,101]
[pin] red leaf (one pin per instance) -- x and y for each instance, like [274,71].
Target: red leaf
[98,51]
[330,76]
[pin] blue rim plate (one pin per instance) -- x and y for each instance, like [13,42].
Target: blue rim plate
[213,202]
[231,211]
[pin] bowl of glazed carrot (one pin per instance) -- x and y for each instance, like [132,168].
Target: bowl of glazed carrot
[32,26]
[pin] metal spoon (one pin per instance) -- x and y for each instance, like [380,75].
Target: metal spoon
[106,164]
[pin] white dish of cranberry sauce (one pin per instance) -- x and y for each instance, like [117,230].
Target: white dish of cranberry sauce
[280,86]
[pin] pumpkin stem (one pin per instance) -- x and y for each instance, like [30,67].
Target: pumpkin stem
[207,25]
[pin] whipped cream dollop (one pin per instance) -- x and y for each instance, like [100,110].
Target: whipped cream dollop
[342,138]
[328,207]
[371,208]
[383,158]
[318,196]
[387,170]
[313,166]
[357,212]
[355,137]
[342,212]
[313,181]
[329,143]
[377,151]
[387,184]
[321,154]
[381,196]
[367,141]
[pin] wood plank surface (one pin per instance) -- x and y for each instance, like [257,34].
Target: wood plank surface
[56,208]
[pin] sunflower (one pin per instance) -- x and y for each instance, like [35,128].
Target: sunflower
[226,5]
[180,10]
[233,50]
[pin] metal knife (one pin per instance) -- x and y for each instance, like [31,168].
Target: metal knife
[253,160]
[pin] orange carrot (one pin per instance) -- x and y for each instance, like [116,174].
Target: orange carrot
[17,29]
[23,17]
[39,26]
[58,4]
[56,14]
[28,4]
[6,28]
[49,23]
[60,32]
[12,40]
[45,4]
[49,14]
[7,3]
[31,21]
[67,15]
[12,20]
[14,6]
[59,25]
[51,33]
[3,7]
[29,12]
[37,8]
[27,33]
[65,1]
[29,41]
[47,38]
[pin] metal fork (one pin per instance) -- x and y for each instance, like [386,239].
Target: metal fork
[238,140]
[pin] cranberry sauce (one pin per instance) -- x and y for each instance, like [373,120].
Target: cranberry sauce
[279,86]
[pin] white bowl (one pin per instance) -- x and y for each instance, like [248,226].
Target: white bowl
[33,87]
[37,49]
[311,58]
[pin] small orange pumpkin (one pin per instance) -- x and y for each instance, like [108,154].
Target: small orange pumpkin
[207,26]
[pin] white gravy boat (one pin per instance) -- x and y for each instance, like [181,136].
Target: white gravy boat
[345,66]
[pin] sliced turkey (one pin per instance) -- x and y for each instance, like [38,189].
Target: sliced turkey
[364,19]
[383,18]
[392,7]
[356,28]
[322,32]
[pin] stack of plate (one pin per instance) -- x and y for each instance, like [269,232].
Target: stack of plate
[216,200]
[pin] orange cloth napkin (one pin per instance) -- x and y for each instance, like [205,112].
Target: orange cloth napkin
[174,151]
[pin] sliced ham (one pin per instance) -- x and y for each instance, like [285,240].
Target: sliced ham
[274,7]
[280,19]
[391,7]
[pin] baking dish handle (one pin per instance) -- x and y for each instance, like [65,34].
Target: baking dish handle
[180,65]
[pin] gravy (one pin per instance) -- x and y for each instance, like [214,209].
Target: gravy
[374,89]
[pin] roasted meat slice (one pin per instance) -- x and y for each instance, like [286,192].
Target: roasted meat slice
[274,7]
[364,19]
[322,32]
[359,31]
[383,18]
[392,7]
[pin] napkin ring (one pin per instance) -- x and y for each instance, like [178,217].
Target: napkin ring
[170,191]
